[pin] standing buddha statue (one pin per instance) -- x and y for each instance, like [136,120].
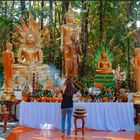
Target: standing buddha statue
[136,64]
[8,60]
[73,58]
[66,32]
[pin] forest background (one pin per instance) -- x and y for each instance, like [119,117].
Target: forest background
[115,17]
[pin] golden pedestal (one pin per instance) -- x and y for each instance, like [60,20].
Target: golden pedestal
[136,98]
[9,96]
[24,74]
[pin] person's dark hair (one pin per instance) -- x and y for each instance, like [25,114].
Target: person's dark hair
[69,90]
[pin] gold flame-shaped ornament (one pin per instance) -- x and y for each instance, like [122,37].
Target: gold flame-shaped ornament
[70,12]
[33,31]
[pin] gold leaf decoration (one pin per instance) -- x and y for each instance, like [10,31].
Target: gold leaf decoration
[116,48]
[111,41]
[119,56]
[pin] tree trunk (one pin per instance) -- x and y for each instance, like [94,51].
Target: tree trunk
[51,17]
[84,38]
[129,13]
[22,3]
[5,33]
[55,20]
[51,53]
[42,15]
[101,19]
[11,17]
[104,13]
[59,17]
[63,12]
[65,5]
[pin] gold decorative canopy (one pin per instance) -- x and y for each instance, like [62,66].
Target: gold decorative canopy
[30,32]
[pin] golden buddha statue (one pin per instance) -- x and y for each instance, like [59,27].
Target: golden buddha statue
[136,64]
[8,60]
[66,31]
[104,64]
[72,57]
[30,54]
[30,40]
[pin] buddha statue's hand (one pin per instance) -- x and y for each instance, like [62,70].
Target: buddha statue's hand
[101,68]
[109,68]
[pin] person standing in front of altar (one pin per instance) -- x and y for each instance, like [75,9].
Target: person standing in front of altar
[67,105]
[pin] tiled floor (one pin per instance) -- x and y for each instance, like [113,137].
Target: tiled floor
[25,133]
[10,126]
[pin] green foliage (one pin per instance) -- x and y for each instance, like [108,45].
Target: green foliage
[115,15]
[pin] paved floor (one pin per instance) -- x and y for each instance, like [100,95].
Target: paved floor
[40,134]
[26,133]
[10,126]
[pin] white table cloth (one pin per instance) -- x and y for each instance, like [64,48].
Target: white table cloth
[101,116]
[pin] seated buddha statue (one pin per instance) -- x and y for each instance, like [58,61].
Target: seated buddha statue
[104,65]
[30,39]
[30,56]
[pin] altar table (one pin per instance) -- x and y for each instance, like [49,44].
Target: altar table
[101,116]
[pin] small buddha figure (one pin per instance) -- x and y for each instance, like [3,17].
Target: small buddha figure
[66,31]
[104,64]
[72,57]
[8,60]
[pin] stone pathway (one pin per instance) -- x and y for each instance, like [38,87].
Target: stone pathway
[10,125]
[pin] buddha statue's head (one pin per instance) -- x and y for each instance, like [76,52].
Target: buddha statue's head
[103,55]
[30,37]
[69,16]
[9,46]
